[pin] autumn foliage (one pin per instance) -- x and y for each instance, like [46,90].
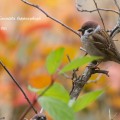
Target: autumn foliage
[24,48]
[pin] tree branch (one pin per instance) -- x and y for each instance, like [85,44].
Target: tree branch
[99,14]
[96,80]
[100,9]
[47,15]
[15,81]
[79,83]
[116,29]
[116,3]
[35,101]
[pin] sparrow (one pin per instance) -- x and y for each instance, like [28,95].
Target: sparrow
[97,42]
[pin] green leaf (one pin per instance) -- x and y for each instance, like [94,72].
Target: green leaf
[56,91]
[77,63]
[56,108]
[86,99]
[54,59]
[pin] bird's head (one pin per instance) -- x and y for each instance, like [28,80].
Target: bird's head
[89,25]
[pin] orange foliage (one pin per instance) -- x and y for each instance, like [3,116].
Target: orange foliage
[5,92]
[3,36]
[37,26]
[33,69]
[40,81]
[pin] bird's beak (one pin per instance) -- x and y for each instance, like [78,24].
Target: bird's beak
[80,30]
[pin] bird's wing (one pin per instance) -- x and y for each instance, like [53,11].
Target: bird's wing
[103,42]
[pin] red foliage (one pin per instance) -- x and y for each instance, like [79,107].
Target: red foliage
[37,26]
[3,36]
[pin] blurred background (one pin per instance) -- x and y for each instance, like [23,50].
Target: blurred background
[25,44]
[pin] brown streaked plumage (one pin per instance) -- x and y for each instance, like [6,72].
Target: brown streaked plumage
[97,42]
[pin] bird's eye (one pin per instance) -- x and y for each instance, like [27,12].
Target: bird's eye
[90,30]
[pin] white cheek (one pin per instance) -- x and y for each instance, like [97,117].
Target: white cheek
[87,33]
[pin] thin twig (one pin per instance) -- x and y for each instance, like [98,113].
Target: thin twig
[100,9]
[116,29]
[65,75]
[68,57]
[110,118]
[15,81]
[47,15]
[35,101]
[113,118]
[41,111]
[81,48]
[96,80]
[84,51]
[81,80]
[99,14]
[116,3]
[101,71]
[74,74]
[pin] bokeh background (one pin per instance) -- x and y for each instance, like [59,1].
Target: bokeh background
[25,44]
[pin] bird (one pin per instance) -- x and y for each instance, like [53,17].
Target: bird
[97,42]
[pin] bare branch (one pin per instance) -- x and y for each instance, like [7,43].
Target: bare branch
[96,80]
[92,81]
[116,29]
[35,101]
[81,80]
[84,51]
[99,14]
[116,3]
[47,15]
[81,48]
[65,75]
[101,71]
[74,74]
[78,82]
[68,58]
[115,116]
[100,9]
[15,81]
[110,118]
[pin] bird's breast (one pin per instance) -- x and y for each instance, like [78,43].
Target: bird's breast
[88,45]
